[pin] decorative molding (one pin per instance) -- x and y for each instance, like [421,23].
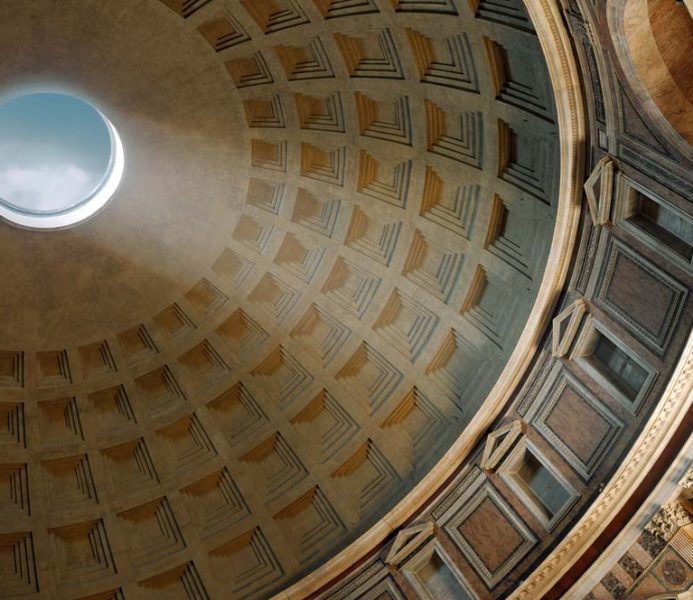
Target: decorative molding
[599,191]
[499,443]
[408,541]
[565,327]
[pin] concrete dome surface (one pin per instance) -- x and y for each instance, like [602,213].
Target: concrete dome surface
[322,290]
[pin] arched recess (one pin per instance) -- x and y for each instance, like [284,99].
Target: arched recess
[653,41]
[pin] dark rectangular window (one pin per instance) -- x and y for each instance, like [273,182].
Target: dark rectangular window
[439,580]
[617,367]
[547,490]
[663,224]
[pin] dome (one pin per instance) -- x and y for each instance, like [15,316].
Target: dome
[323,280]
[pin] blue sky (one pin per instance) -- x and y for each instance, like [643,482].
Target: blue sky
[54,150]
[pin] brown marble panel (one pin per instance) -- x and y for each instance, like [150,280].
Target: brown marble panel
[569,409]
[492,536]
[640,295]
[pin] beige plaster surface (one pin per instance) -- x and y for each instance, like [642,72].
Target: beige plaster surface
[160,85]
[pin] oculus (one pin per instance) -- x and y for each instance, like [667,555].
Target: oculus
[61,160]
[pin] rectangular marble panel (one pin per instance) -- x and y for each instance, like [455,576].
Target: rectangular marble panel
[644,298]
[564,401]
[488,532]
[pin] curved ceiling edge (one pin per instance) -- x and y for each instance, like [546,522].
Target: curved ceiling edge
[565,82]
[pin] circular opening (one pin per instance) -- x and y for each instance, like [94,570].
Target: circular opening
[61,160]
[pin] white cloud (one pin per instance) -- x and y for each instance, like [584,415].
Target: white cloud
[45,188]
